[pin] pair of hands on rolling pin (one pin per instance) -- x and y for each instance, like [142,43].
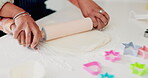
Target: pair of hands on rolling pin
[90,9]
[27,32]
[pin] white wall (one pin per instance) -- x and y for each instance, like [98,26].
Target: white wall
[57,4]
[60,4]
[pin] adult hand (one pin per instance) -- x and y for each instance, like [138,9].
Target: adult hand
[5,24]
[27,31]
[25,25]
[90,9]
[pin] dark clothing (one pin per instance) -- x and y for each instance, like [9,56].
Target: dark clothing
[36,8]
[2,33]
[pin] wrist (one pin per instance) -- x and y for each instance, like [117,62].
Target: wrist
[24,13]
[17,12]
[10,10]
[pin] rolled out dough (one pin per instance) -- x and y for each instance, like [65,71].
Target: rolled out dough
[83,42]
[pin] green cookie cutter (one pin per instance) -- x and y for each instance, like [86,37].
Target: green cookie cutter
[139,69]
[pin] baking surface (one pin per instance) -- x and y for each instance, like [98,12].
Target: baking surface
[122,28]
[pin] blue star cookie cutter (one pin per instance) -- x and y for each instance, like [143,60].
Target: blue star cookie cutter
[131,49]
[106,75]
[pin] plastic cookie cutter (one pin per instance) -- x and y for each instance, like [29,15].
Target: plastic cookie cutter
[88,69]
[139,69]
[146,34]
[131,49]
[143,51]
[106,75]
[116,56]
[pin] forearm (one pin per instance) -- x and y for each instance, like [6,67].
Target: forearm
[75,2]
[10,10]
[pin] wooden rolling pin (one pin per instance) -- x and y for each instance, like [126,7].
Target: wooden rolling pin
[64,29]
[68,28]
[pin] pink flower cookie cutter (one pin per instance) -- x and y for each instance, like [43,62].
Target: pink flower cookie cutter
[116,56]
[97,64]
[143,51]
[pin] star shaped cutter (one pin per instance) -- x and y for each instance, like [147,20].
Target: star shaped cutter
[131,49]
[97,64]
[106,75]
[139,69]
[143,52]
[116,56]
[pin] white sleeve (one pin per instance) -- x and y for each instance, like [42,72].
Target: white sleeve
[2,2]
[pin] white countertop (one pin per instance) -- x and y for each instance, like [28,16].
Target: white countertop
[122,28]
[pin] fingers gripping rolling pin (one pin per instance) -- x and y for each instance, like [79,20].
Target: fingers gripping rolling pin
[64,29]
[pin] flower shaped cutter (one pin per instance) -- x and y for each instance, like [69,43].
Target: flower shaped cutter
[139,69]
[131,49]
[106,75]
[116,56]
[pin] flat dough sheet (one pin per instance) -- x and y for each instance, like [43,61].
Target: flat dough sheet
[83,42]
